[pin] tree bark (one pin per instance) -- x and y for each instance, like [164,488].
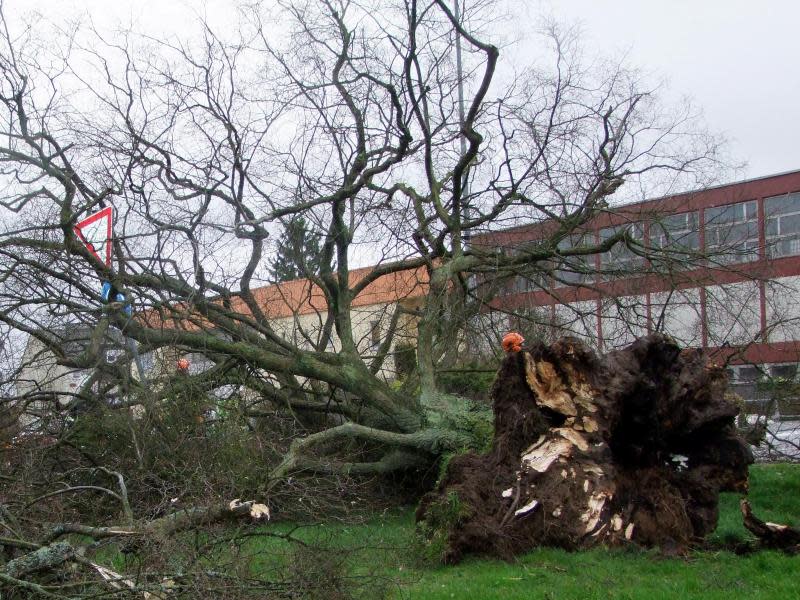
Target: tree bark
[46,557]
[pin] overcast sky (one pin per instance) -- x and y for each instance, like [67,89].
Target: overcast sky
[737,59]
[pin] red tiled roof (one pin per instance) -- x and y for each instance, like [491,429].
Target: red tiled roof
[301,296]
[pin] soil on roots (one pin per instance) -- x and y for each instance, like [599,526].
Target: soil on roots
[631,447]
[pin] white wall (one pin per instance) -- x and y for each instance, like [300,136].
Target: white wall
[578,319]
[624,320]
[681,315]
[39,373]
[783,309]
[733,313]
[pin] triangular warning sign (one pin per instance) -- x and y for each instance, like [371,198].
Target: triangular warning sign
[95,232]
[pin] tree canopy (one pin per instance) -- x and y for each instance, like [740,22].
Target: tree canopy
[346,116]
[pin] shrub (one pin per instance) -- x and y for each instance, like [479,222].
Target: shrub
[472,380]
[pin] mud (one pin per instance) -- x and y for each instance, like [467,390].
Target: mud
[632,447]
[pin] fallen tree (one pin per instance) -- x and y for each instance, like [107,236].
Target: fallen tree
[53,553]
[634,446]
[357,134]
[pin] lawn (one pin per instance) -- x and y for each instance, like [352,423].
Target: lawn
[384,549]
[382,558]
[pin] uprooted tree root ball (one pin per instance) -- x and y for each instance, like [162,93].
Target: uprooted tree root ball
[631,447]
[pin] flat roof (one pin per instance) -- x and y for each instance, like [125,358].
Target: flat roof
[717,195]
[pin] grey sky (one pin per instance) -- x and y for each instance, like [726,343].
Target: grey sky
[736,59]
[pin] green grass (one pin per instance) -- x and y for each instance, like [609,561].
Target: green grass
[388,544]
[774,496]
[381,556]
[607,574]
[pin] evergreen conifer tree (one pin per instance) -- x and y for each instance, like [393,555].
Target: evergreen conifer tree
[298,252]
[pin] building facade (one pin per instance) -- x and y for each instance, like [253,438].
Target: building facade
[717,269]
[297,310]
[44,387]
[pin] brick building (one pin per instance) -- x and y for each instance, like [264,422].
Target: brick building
[732,285]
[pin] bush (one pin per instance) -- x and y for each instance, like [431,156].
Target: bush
[185,450]
[472,381]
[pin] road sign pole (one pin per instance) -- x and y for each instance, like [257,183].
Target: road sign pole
[95,231]
[138,360]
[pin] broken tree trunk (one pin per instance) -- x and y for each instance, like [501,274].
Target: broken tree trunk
[771,535]
[182,520]
[633,446]
[42,559]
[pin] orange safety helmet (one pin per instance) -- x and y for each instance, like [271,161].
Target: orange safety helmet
[512,342]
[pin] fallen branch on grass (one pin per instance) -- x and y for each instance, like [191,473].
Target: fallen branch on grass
[181,520]
[771,535]
[53,554]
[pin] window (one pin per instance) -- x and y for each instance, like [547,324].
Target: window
[749,374]
[527,282]
[530,277]
[519,284]
[147,361]
[745,382]
[576,269]
[620,257]
[783,225]
[788,372]
[732,232]
[676,232]
[755,373]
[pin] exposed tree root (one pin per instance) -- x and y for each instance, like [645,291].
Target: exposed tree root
[634,447]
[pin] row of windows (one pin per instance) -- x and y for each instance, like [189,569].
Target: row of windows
[731,236]
[731,233]
[753,373]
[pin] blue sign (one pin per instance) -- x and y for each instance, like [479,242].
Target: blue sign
[109,292]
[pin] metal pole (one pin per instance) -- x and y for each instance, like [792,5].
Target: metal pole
[460,73]
[138,360]
[134,348]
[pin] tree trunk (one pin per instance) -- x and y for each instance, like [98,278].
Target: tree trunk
[631,447]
